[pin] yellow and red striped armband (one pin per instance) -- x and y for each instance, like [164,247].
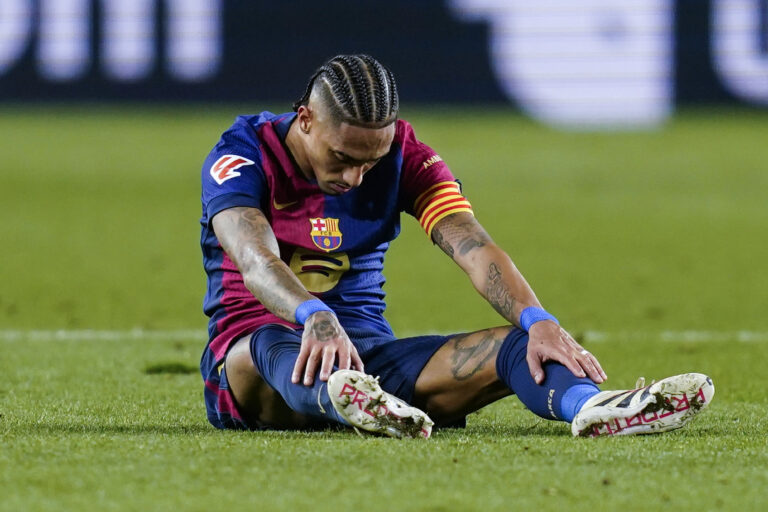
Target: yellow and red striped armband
[439,201]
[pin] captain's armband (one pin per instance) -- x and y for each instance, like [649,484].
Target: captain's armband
[439,201]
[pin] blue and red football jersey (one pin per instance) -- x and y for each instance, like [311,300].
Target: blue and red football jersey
[334,244]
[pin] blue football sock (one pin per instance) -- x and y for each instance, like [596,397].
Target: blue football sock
[559,397]
[574,398]
[274,352]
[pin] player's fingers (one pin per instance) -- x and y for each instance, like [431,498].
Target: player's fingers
[309,371]
[569,340]
[598,367]
[567,359]
[588,360]
[329,357]
[573,356]
[534,365]
[343,357]
[301,361]
[357,363]
[590,366]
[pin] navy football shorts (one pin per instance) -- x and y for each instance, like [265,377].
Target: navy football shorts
[397,363]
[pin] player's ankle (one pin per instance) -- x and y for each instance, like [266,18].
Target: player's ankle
[575,398]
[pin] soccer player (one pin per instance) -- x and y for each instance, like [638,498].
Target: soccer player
[298,212]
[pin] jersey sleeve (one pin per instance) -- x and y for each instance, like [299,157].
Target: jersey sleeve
[232,174]
[429,190]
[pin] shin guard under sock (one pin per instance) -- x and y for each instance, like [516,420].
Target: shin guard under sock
[545,400]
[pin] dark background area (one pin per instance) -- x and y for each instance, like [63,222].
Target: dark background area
[271,47]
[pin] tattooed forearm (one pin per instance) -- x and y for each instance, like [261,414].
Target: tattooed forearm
[492,272]
[275,286]
[497,294]
[469,356]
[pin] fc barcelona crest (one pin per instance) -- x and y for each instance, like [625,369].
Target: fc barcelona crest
[325,233]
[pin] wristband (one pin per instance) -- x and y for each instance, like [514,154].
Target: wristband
[309,307]
[532,314]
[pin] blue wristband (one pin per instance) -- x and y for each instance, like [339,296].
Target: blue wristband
[309,307]
[532,314]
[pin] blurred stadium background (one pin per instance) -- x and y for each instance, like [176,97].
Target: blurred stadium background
[617,150]
[594,62]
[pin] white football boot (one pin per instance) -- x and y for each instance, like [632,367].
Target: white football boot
[665,405]
[359,399]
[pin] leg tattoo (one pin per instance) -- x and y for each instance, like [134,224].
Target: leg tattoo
[470,357]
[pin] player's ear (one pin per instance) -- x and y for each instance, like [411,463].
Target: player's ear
[304,118]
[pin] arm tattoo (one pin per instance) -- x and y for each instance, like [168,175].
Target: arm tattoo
[469,358]
[459,234]
[447,248]
[497,294]
[468,243]
[246,236]
[252,225]
[456,233]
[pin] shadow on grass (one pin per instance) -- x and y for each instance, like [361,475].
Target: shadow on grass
[540,429]
[170,368]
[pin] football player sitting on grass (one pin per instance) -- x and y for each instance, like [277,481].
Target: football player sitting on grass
[298,212]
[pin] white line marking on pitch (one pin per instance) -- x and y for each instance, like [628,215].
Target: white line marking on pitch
[589,336]
[678,336]
[102,334]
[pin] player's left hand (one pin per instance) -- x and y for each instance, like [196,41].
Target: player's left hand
[547,341]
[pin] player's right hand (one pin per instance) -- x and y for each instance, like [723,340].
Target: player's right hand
[323,343]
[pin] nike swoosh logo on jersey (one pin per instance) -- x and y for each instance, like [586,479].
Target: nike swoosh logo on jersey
[280,206]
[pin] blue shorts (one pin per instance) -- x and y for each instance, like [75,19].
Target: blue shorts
[397,363]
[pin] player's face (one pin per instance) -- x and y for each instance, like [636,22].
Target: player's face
[340,154]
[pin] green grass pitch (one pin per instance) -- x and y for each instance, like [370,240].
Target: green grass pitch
[651,247]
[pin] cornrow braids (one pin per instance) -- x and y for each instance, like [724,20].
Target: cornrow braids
[357,89]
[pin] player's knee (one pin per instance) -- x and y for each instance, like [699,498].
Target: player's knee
[244,380]
[260,405]
[239,365]
[269,344]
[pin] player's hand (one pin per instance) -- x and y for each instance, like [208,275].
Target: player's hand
[323,343]
[547,341]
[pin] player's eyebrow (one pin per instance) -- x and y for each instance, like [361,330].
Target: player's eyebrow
[351,159]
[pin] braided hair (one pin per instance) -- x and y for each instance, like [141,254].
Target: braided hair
[357,90]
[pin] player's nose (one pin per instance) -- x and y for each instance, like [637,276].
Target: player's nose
[353,176]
